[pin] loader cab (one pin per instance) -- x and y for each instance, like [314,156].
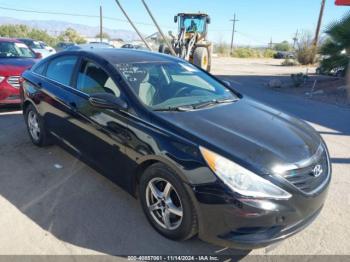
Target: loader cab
[193,23]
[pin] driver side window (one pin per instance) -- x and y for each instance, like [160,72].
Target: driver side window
[93,79]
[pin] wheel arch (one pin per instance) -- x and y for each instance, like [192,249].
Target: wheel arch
[146,162]
[25,105]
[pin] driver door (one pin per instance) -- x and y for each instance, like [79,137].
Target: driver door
[102,133]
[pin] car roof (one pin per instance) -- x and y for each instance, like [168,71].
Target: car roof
[124,55]
[12,40]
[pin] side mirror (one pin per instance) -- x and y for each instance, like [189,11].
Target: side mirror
[175,19]
[208,20]
[38,55]
[107,101]
[227,83]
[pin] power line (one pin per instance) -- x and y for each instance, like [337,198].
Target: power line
[71,14]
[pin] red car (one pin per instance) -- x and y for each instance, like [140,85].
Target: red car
[15,58]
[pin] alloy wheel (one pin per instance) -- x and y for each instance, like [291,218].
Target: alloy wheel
[33,125]
[164,203]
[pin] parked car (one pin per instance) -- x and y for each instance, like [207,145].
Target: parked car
[38,47]
[15,57]
[132,46]
[47,47]
[201,157]
[89,46]
[284,55]
[337,72]
[63,45]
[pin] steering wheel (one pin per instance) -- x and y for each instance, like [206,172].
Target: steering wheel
[181,90]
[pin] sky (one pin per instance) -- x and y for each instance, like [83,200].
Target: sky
[259,20]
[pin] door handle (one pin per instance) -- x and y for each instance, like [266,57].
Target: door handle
[39,84]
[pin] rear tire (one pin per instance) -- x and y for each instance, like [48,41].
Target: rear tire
[36,128]
[170,212]
[201,57]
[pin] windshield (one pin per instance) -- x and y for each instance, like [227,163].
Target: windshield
[193,24]
[32,44]
[163,86]
[15,50]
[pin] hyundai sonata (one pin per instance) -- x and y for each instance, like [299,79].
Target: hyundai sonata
[201,157]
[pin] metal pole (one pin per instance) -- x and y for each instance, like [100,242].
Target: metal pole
[132,24]
[101,26]
[317,34]
[233,31]
[159,29]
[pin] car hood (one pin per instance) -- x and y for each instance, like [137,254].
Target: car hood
[248,132]
[15,66]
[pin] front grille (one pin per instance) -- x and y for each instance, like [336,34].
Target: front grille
[14,81]
[309,179]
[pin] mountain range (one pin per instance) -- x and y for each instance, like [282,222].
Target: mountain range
[55,27]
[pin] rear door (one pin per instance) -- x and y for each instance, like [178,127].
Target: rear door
[54,80]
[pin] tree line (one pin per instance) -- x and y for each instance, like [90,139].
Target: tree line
[23,31]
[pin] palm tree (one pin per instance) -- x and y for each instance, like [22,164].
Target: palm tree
[336,49]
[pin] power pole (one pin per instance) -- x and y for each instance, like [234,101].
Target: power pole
[317,34]
[295,39]
[101,26]
[270,44]
[234,20]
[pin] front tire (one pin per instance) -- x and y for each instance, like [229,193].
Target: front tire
[201,58]
[36,127]
[166,203]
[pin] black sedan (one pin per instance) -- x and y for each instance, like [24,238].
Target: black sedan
[202,158]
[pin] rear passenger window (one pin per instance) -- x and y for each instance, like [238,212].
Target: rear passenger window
[40,69]
[61,69]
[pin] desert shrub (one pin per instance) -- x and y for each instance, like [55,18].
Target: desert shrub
[289,62]
[268,53]
[299,79]
[306,50]
[283,46]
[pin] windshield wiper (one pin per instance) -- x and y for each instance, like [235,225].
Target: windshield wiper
[177,108]
[226,100]
[213,102]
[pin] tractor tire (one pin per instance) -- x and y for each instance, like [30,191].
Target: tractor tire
[164,49]
[201,57]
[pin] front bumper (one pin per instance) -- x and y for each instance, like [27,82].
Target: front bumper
[233,222]
[8,94]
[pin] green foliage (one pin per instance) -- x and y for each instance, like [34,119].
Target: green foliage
[338,41]
[23,31]
[245,52]
[269,53]
[283,46]
[306,50]
[104,35]
[70,35]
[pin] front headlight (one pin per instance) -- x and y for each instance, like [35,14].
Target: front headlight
[241,180]
[1,78]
